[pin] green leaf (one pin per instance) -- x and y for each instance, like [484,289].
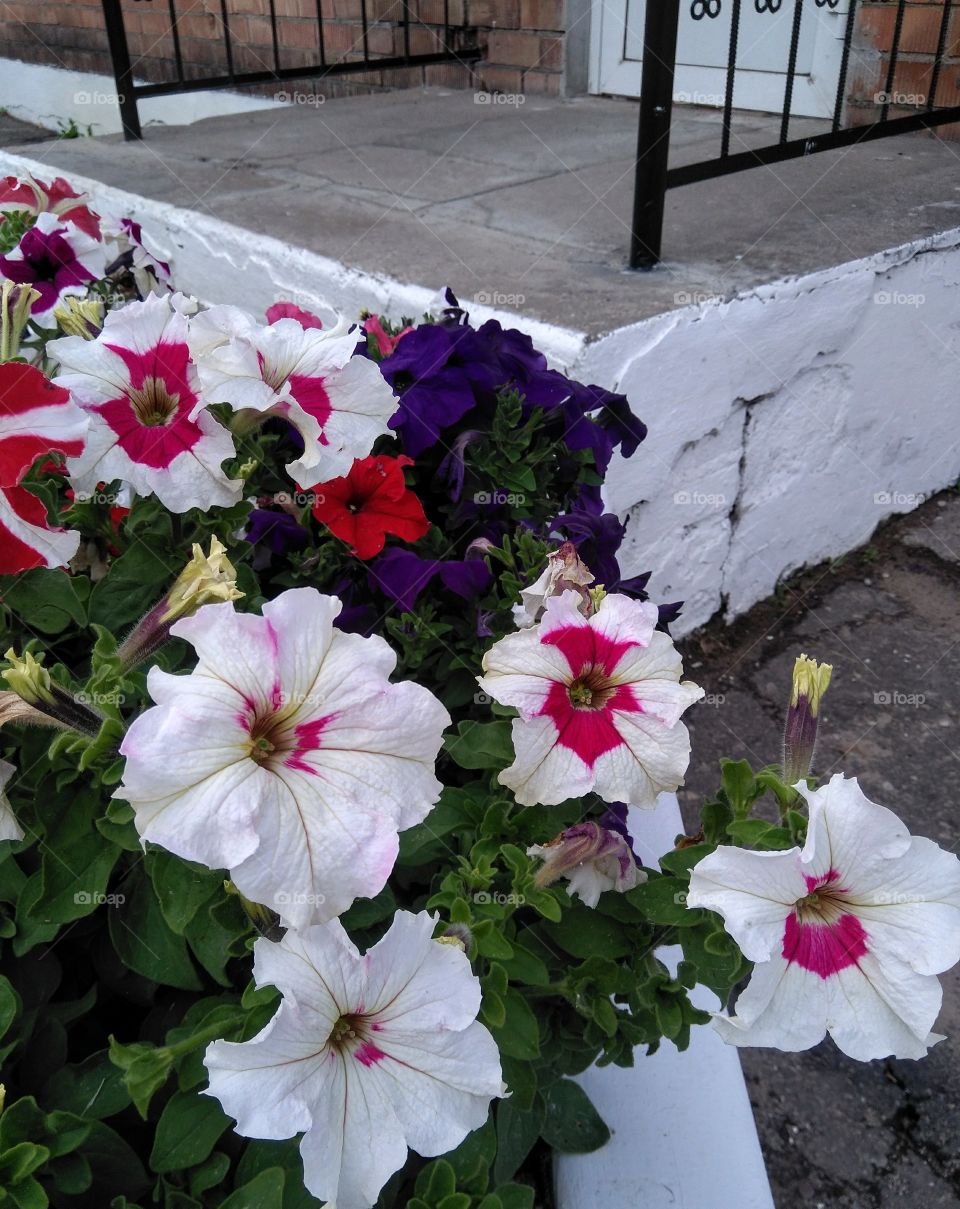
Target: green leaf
[519,1035]
[526,967]
[209,1173]
[189,1128]
[181,887]
[436,1180]
[258,1156]
[145,943]
[145,1070]
[517,1132]
[739,785]
[584,932]
[91,1088]
[47,599]
[264,1191]
[679,861]
[114,1162]
[521,1080]
[663,900]
[571,1124]
[516,1196]
[134,584]
[481,744]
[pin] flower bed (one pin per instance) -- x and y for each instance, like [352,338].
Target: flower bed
[316,875]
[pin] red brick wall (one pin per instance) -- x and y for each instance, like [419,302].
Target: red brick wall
[913,75]
[523,40]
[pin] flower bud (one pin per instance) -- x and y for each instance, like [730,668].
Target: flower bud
[592,858]
[15,303]
[458,935]
[206,579]
[79,317]
[565,572]
[42,698]
[810,681]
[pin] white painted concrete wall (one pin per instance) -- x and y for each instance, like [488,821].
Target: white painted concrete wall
[785,422]
[50,96]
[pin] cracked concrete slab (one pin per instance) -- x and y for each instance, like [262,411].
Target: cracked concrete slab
[521,200]
[838,1133]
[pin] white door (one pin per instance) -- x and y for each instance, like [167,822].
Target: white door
[703,44]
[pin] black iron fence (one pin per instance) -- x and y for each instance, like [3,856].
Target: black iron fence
[654,176]
[450,43]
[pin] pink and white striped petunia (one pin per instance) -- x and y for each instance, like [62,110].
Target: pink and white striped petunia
[338,402]
[149,424]
[599,700]
[848,933]
[366,1056]
[36,419]
[59,198]
[55,258]
[286,756]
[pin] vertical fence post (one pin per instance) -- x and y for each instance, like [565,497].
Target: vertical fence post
[653,137]
[122,71]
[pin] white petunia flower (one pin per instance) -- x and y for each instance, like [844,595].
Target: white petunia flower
[285,756]
[600,701]
[339,402]
[366,1056]
[848,934]
[148,423]
[10,829]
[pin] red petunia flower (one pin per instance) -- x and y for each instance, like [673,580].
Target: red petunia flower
[370,502]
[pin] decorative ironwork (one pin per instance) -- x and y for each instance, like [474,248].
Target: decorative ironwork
[704,8]
[454,44]
[654,175]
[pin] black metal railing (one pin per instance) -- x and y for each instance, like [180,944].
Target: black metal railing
[455,44]
[654,176]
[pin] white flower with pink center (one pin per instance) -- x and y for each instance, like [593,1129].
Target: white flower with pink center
[848,933]
[599,700]
[367,1056]
[285,756]
[338,402]
[149,424]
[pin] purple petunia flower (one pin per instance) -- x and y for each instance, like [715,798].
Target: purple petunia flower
[614,818]
[402,575]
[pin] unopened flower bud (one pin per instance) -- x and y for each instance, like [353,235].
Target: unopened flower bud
[266,922]
[810,681]
[458,935]
[42,698]
[79,317]
[592,858]
[565,572]
[16,301]
[206,579]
